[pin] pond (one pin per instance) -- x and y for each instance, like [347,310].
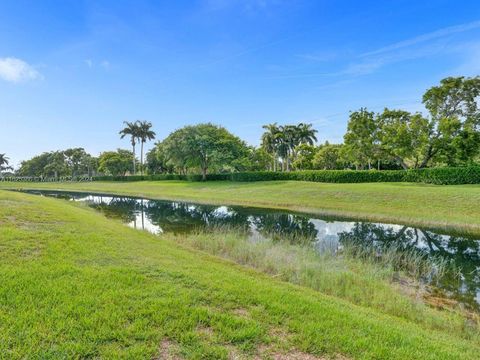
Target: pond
[324,233]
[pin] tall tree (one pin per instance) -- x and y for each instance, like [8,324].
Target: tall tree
[301,134]
[304,157]
[454,120]
[403,136]
[328,157]
[270,142]
[115,163]
[4,163]
[131,129]
[204,146]
[288,142]
[56,165]
[145,133]
[306,134]
[361,138]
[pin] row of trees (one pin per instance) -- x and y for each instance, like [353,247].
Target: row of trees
[70,162]
[393,139]
[449,135]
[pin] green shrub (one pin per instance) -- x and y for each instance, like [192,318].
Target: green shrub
[158,177]
[440,176]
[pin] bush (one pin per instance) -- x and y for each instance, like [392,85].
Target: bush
[331,176]
[158,177]
[440,176]
[445,175]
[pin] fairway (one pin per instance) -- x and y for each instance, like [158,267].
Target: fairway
[453,208]
[75,284]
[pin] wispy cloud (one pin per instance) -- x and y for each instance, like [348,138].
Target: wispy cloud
[105,64]
[424,38]
[323,56]
[249,6]
[16,70]
[421,46]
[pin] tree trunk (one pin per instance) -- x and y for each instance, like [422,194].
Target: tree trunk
[141,158]
[430,154]
[400,162]
[204,173]
[133,146]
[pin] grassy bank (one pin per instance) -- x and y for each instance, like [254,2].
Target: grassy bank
[447,207]
[74,284]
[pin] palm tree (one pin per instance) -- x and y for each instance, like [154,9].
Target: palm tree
[270,141]
[131,129]
[4,163]
[145,133]
[296,135]
[305,134]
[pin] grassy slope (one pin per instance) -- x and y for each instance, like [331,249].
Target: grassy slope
[74,284]
[449,207]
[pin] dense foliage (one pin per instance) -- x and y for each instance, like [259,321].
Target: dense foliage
[203,147]
[116,163]
[70,162]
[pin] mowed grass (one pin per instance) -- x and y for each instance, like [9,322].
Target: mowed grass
[454,208]
[74,284]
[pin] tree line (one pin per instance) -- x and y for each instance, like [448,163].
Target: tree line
[448,135]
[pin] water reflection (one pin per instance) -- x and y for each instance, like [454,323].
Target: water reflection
[325,234]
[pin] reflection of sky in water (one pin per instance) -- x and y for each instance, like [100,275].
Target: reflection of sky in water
[325,235]
[144,223]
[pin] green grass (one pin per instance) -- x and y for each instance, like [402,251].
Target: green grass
[74,284]
[359,276]
[453,208]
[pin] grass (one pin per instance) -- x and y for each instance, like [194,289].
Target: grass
[452,208]
[359,276]
[74,284]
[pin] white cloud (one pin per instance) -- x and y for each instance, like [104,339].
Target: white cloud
[16,70]
[89,63]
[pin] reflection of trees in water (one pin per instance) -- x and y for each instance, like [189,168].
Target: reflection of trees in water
[124,209]
[182,217]
[463,252]
[295,228]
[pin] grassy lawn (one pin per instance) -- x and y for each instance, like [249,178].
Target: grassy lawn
[74,284]
[447,207]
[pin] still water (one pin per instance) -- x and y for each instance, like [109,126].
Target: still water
[324,233]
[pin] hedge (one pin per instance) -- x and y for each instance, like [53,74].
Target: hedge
[440,176]
[158,177]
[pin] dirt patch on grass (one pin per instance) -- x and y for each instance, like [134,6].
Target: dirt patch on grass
[296,355]
[205,332]
[167,351]
[279,349]
[241,312]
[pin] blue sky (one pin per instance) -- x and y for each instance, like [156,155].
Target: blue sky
[72,71]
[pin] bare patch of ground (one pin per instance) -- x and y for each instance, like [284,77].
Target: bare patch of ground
[241,312]
[167,351]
